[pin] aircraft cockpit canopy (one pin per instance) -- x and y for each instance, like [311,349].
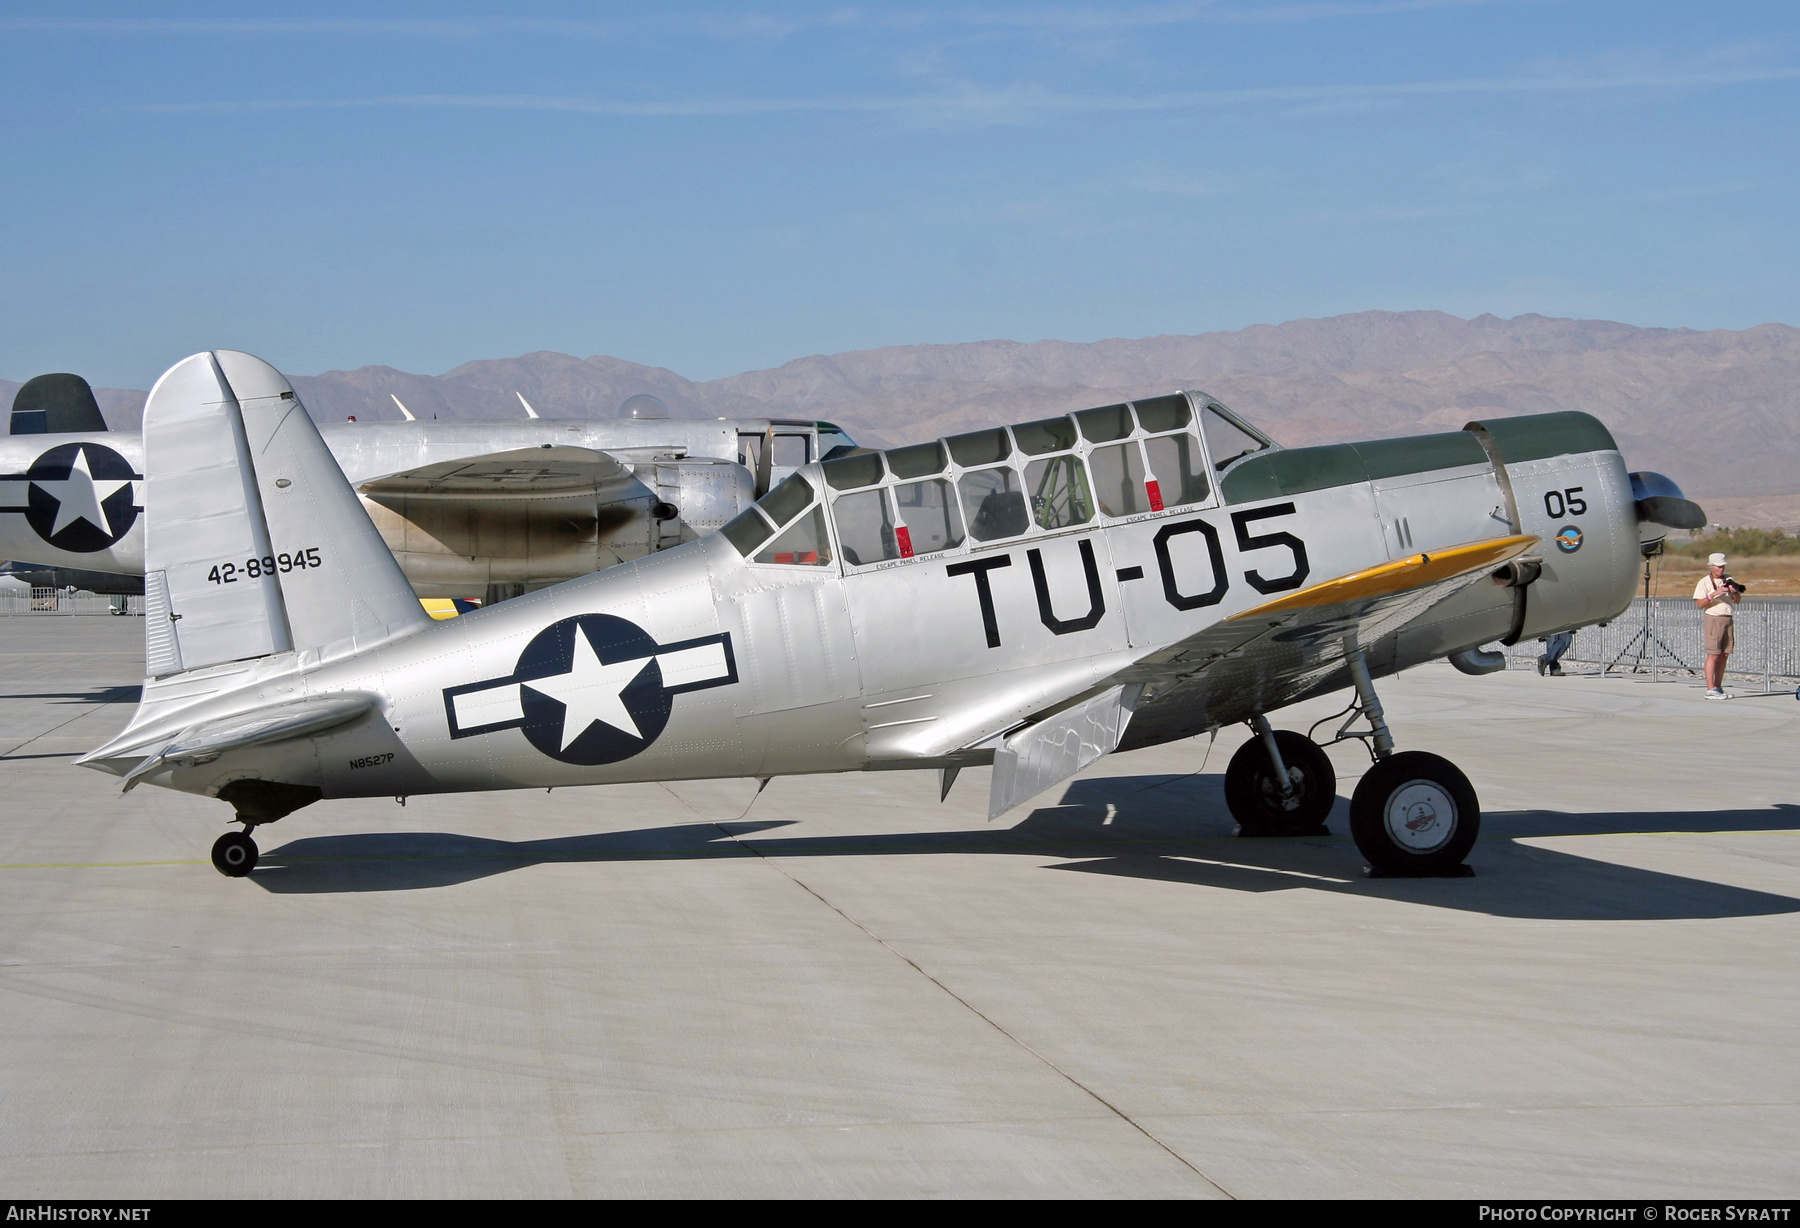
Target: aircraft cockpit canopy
[985,486]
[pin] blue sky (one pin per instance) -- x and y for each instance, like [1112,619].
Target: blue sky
[719,188]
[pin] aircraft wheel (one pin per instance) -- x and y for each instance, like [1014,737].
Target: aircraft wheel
[1254,798]
[1414,814]
[234,854]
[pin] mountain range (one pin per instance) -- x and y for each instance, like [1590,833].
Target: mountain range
[1718,410]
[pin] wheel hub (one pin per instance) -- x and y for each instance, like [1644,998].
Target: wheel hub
[1420,816]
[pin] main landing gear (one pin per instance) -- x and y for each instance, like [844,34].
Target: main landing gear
[1412,815]
[234,853]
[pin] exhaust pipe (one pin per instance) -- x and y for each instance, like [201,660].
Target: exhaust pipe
[1478,661]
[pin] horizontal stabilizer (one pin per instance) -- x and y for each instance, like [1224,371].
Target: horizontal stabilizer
[1043,755]
[259,727]
[59,404]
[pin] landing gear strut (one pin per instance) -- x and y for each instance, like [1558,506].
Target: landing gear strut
[1280,784]
[1412,815]
[234,854]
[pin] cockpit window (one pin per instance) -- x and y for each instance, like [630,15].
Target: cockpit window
[804,544]
[1177,474]
[850,472]
[747,530]
[865,528]
[1105,424]
[929,520]
[788,499]
[1059,492]
[831,438]
[980,447]
[1227,438]
[791,451]
[993,503]
[1050,435]
[1119,483]
[919,461]
[1169,413]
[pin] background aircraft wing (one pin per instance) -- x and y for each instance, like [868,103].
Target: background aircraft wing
[523,473]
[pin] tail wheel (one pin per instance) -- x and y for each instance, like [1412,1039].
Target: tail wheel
[1254,795]
[234,854]
[1415,814]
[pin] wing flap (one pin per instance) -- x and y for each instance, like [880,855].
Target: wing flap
[1041,756]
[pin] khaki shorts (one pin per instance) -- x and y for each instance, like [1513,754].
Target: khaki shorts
[1719,638]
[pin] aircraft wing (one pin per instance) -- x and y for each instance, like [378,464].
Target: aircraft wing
[1257,660]
[523,473]
[1310,631]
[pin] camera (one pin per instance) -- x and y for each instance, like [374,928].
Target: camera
[1734,586]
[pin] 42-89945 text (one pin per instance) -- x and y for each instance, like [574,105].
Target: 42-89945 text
[267,565]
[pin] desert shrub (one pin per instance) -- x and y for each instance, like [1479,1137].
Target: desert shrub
[1738,543]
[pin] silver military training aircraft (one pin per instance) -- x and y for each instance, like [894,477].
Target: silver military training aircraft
[1031,597]
[471,509]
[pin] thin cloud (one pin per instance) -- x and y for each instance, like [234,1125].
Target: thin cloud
[1009,105]
[761,26]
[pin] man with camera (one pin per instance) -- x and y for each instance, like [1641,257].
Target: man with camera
[1718,594]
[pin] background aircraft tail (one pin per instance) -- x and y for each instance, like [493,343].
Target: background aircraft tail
[254,542]
[55,404]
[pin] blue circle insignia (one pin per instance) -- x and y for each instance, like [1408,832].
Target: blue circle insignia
[1568,539]
[591,689]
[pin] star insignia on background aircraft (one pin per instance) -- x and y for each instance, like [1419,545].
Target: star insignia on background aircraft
[80,497]
[591,689]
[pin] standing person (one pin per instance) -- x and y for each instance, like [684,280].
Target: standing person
[1718,596]
[1554,648]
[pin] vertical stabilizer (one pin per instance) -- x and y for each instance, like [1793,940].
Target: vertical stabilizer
[343,590]
[56,404]
[254,542]
[208,599]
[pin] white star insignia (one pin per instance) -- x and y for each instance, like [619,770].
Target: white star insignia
[591,692]
[79,496]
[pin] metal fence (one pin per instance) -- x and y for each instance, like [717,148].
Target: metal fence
[61,601]
[1661,638]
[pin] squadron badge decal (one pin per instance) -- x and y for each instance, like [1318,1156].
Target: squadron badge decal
[591,689]
[79,497]
[1568,539]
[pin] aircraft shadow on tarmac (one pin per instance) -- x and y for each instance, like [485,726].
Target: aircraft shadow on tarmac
[1171,829]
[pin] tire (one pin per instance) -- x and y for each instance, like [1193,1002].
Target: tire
[234,854]
[1414,815]
[1254,798]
